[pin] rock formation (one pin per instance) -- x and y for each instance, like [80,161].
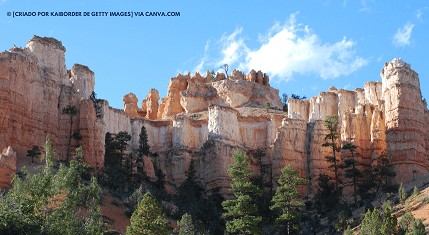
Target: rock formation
[152,104]
[83,79]
[7,166]
[406,124]
[206,119]
[130,104]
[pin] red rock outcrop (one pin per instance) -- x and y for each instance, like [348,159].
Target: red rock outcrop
[83,79]
[130,104]
[7,167]
[34,88]
[207,119]
[405,119]
[176,85]
[152,104]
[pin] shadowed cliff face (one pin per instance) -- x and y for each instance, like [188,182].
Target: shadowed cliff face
[208,118]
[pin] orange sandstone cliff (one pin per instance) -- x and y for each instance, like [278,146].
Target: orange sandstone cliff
[207,118]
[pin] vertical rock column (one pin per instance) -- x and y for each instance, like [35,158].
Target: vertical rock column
[289,147]
[83,79]
[404,119]
[152,104]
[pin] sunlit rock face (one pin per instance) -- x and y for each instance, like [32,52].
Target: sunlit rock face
[207,118]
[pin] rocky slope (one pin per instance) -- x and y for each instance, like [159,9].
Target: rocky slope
[208,118]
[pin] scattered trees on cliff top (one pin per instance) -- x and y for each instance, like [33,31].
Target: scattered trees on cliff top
[285,97]
[97,105]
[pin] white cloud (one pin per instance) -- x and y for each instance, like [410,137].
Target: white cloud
[233,47]
[287,50]
[402,36]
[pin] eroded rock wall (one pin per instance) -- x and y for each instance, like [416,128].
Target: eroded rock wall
[33,95]
[207,119]
[405,119]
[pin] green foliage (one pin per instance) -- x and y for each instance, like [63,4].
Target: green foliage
[241,212]
[408,225]
[350,169]
[148,218]
[331,123]
[378,179]
[327,196]
[267,105]
[379,223]
[402,194]
[49,153]
[293,96]
[343,222]
[52,201]
[34,152]
[384,174]
[70,111]
[97,105]
[416,192]
[348,231]
[192,200]
[186,226]
[225,67]
[143,150]
[287,199]
[118,164]
[190,190]
[212,76]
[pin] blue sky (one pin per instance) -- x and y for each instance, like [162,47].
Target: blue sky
[304,46]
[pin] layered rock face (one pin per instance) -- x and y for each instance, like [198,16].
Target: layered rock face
[406,124]
[206,119]
[34,88]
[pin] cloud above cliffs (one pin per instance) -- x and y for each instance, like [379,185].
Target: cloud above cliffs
[286,50]
[402,36]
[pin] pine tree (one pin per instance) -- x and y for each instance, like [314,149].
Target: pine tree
[402,194]
[97,105]
[286,200]
[143,150]
[416,191]
[331,123]
[351,172]
[186,226]
[377,223]
[241,211]
[48,201]
[190,191]
[122,139]
[33,152]
[383,175]
[70,111]
[148,218]
[326,197]
[126,163]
